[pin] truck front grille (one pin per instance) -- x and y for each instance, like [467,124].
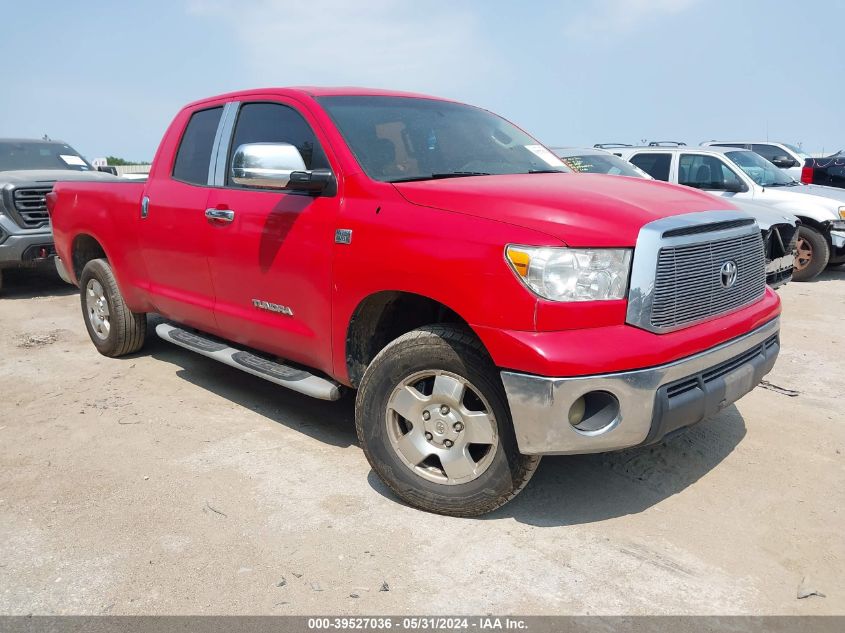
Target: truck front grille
[31,205]
[695,267]
[688,284]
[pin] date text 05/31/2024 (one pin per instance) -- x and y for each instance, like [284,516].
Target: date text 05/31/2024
[418,623]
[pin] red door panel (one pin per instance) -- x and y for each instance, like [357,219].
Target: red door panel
[175,238]
[276,250]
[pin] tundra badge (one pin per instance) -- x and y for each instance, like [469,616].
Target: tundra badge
[272,307]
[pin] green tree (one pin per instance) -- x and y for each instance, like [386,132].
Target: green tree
[119,162]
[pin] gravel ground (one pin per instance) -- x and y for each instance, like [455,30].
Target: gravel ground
[165,483]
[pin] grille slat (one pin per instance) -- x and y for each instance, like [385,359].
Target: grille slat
[687,284]
[31,205]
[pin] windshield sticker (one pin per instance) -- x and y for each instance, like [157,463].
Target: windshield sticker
[545,155]
[70,159]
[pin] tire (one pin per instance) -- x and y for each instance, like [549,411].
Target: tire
[114,329]
[813,254]
[481,476]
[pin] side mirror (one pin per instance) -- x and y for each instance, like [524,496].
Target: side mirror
[784,162]
[266,165]
[735,186]
[108,169]
[315,181]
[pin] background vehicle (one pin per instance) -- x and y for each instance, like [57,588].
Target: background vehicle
[790,158]
[775,226]
[28,169]
[597,161]
[488,306]
[829,172]
[741,174]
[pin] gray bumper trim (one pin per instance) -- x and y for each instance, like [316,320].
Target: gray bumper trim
[540,406]
[14,246]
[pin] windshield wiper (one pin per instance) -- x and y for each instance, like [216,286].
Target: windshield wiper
[440,176]
[546,171]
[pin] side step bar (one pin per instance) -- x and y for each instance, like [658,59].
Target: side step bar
[290,377]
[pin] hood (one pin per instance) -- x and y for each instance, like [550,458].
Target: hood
[32,176]
[766,216]
[579,209]
[806,198]
[821,191]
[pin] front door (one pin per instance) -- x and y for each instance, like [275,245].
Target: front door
[271,264]
[712,174]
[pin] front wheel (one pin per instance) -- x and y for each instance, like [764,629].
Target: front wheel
[432,417]
[114,329]
[812,254]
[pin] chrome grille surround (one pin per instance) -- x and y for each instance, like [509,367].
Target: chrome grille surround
[675,279]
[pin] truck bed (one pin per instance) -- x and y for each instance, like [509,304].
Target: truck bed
[108,212]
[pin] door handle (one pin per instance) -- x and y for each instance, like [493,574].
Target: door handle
[220,215]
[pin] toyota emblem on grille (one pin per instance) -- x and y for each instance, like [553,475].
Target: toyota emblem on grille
[727,274]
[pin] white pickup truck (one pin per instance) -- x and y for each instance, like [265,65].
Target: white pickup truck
[740,174]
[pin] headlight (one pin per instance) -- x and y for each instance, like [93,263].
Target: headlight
[842,213]
[572,274]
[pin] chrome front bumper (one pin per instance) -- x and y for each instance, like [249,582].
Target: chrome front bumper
[651,402]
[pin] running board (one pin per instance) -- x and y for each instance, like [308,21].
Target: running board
[290,377]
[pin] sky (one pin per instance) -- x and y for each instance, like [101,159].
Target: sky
[107,77]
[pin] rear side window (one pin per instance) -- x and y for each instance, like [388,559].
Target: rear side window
[655,165]
[276,123]
[194,154]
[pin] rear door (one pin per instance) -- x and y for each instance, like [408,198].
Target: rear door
[174,233]
[271,264]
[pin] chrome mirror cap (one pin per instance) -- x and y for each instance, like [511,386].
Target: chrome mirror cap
[265,165]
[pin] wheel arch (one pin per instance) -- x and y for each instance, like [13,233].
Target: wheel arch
[84,248]
[382,317]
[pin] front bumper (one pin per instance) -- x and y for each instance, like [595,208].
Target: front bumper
[650,403]
[23,248]
[837,247]
[779,271]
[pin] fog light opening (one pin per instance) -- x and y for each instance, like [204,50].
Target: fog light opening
[595,412]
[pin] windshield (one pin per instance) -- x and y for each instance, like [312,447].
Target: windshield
[759,169]
[399,139]
[797,150]
[602,164]
[16,155]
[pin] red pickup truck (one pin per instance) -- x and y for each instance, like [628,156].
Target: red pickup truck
[487,306]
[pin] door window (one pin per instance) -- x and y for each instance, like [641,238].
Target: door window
[276,123]
[654,164]
[194,154]
[705,172]
[769,152]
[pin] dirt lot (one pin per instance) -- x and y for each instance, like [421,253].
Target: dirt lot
[167,483]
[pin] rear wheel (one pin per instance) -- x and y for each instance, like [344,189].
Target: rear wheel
[432,417]
[812,254]
[114,329]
